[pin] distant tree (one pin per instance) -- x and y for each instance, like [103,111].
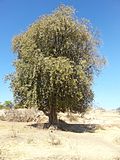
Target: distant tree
[1,106]
[118,109]
[8,104]
[56,60]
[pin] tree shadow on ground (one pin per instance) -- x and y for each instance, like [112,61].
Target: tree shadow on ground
[77,128]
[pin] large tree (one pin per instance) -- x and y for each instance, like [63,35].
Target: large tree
[57,58]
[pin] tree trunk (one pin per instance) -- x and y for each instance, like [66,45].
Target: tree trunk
[53,111]
[53,116]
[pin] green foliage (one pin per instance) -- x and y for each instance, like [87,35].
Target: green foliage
[17,106]
[57,59]
[1,106]
[7,103]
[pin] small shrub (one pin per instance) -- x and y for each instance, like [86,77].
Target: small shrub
[1,106]
[53,139]
[20,115]
[13,132]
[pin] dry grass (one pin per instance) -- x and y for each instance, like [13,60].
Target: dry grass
[21,141]
[72,117]
[22,115]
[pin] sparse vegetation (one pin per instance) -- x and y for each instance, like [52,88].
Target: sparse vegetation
[21,140]
[72,117]
[53,139]
[8,104]
[1,106]
[20,115]
[13,132]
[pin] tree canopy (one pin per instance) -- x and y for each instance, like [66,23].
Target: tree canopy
[57,58]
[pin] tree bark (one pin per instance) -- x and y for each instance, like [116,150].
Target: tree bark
[53,110]
[53,115]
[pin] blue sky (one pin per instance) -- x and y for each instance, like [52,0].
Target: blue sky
[17,15]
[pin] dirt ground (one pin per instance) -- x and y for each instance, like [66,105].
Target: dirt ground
[94,137]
